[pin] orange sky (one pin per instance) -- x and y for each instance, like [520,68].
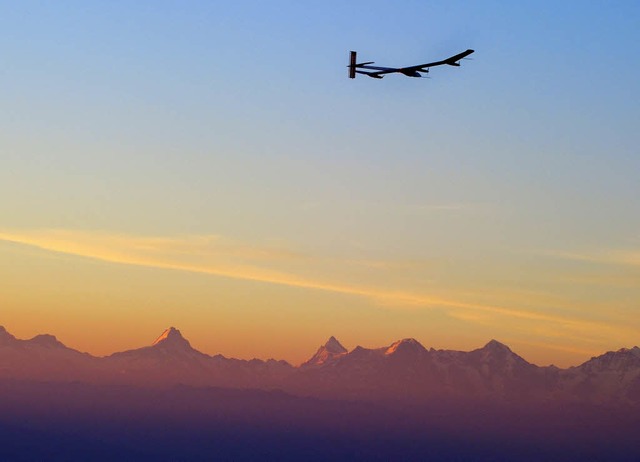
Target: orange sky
[103,293]
[213,168]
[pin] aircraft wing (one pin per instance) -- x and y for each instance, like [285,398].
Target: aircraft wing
[378,70]
[452,61]
[383,70]
[411,71]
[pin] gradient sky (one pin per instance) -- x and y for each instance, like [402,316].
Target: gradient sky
[209,166]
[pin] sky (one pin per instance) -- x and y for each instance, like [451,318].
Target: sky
[209,166]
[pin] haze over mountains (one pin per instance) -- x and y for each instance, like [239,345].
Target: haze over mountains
[403,372]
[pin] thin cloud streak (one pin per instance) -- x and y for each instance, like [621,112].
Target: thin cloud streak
[608,257]
[164,253]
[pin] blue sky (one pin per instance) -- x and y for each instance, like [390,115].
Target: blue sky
[513,173]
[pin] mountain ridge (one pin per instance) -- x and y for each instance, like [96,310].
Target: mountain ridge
[173,337]
[402,371]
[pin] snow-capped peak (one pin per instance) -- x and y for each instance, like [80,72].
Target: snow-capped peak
[171,337]
[406,344]
[327,353]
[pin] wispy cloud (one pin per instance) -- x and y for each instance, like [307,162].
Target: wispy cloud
[627,257]
[553,346]
[219,256]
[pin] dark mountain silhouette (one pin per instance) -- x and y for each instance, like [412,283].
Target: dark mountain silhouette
[172,360]
[170,347]
[43,357]
[404,371]
[169,401]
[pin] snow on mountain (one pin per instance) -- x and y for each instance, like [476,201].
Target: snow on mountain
[498,372]
[407,346]
[326,354]
[172,338]
[400,369]
[611,377]
[171,359]
[404,370]
[169,346]
[621,360]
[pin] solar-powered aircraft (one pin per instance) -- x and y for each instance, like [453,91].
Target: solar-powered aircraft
[377,72]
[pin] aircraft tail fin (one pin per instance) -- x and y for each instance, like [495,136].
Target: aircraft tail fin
[352,65]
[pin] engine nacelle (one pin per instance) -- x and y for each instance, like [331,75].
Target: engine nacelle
[412,73]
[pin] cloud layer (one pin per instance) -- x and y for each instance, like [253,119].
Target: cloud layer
[275,264]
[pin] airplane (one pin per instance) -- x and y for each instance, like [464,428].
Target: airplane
[411,71]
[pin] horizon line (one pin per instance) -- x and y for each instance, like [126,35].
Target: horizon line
[349,351]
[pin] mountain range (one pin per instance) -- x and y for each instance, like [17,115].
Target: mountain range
[403,372]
